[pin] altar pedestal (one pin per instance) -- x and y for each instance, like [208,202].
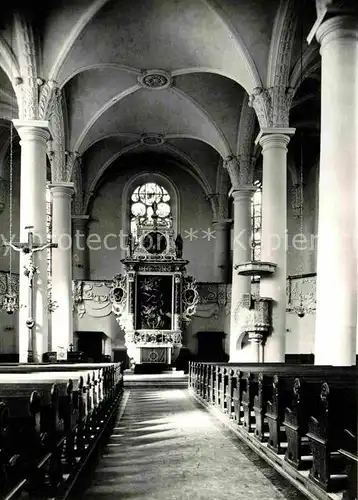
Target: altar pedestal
[154,297]
[157,355]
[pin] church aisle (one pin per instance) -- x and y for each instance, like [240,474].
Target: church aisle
[166,447]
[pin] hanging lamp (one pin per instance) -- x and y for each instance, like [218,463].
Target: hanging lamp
[10,302]
[300,310]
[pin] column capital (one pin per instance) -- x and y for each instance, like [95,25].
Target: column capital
[274,136]
[80,217]
[28,129]
[62,188]
[243,193]
[339,27]
[80,221]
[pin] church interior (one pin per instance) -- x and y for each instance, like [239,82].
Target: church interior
[178,256]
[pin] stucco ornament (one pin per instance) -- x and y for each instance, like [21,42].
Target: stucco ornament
[240,169]
[152,139]
[155,79]
[118,295]
[190,297]
[272,106]
[28,83]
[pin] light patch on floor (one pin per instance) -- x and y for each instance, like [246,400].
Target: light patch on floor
[165,447]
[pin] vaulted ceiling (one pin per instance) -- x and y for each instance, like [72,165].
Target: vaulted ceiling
[165,74]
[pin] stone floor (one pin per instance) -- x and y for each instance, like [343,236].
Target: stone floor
[166,447]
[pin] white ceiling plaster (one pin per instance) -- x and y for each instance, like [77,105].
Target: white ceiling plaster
[202,154]
[89,91]
[96,49]
[164,112]
[62,23]
[5,86]
[253,21]
[221,97]
[97,155]
[160,34]
[199,157]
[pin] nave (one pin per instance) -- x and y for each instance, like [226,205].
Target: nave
[165,445]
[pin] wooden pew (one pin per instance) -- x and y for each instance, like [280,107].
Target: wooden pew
[26,443]
[288,399]
[336,411]
[255,387]
[349,451]
[68,419]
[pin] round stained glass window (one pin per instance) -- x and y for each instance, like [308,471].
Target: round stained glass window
[142,200]
[163,210]
[138,209]
[150,193]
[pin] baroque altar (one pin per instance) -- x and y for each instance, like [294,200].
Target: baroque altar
[154,298]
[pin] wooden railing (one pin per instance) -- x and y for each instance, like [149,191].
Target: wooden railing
[52,419]
[303,415]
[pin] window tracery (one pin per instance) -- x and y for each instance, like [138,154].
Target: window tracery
[150,205]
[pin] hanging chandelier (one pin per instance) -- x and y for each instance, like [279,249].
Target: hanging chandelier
[10,300]
[296,200]
[300,309]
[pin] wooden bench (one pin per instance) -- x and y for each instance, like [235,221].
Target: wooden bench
[349,451]
[61,419]
[336,411]
[52,422]
[284,404]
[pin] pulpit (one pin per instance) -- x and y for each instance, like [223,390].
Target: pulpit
[154,297]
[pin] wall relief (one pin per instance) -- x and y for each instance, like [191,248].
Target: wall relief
[92,298]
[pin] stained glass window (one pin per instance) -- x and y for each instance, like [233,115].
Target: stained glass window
[150,205]
[256,217]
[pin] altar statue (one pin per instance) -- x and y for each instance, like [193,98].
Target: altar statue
[179,246]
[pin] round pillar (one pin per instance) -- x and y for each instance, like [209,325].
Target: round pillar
[274,233]
[241,253]
[221,250]
[34,135]
[336,314]
[62,316]
[79,247]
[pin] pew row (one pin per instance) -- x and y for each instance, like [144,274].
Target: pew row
[294,416]
[50,423]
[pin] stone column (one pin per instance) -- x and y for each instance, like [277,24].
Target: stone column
[79,248]
[34,135]
[62,316]
[274,143]
[221,250]
[241,254]
[336,316]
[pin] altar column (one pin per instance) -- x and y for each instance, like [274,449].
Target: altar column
[336,314]
[274,143]
[221,250]
[34,135]
[79,247]
[62,316]
[241,253]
